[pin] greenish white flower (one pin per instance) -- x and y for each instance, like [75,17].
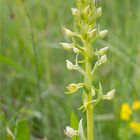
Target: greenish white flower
[70,132]
[68,32]
[72,88]
[109,95]
[75,11]
[70,65]
[66,46]
[103,33]
[98,12]
[76,50]
[102,51]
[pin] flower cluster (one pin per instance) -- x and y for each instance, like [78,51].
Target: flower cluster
[85,16]
[88,58]
[126,114]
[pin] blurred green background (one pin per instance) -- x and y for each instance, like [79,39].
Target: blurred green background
[33,72]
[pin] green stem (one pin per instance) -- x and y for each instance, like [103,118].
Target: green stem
[89,113]
[88,85]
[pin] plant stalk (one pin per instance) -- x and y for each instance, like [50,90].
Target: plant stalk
[88,85]
[89,113]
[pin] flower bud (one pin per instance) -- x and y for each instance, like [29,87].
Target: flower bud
[68,32]
[70,132]
[98,12]
[109,95]
[76,50]
[87,10]
[103,33]
[92,33]
[102,60]
[103,51]
[70,66]
[66,46]
[75,11]
[93,92]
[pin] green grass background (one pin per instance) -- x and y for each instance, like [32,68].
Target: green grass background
[33,70]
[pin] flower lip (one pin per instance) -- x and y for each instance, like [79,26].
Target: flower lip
[72,88]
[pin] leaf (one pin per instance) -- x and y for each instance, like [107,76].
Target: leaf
[81,131]
[74,123]
[22,130]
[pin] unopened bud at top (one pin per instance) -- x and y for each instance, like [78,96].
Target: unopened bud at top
[103,33]
[98,13]
[68,32]
[92,33]
[87,10]
[75,11]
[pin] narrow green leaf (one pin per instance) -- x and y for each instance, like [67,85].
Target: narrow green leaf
[22,130]
[81,131]
[74,123]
